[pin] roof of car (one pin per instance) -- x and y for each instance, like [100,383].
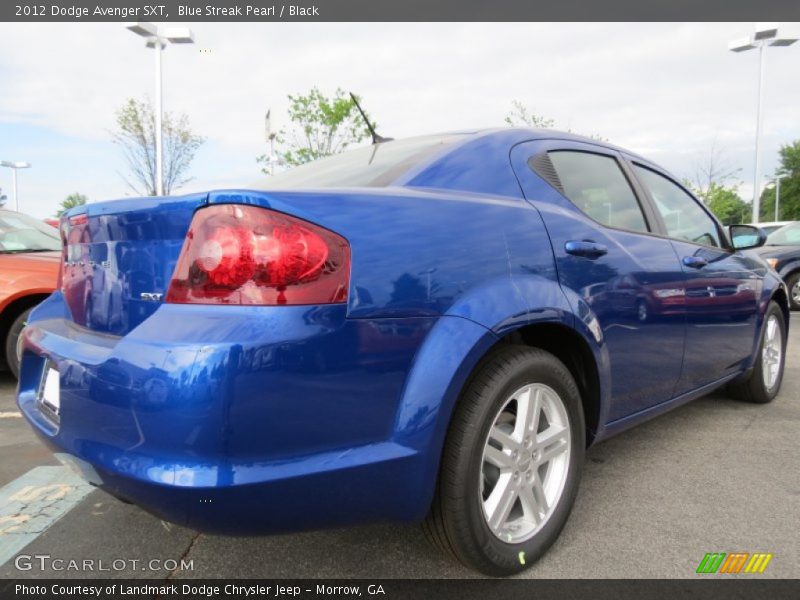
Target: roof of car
[516,135]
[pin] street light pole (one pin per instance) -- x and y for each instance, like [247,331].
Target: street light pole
[159,127]
[778,195]
[762,59]
[766,34]
[14,166]
[158,38]
[14,189]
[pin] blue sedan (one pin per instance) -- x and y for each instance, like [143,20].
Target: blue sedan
[432,329]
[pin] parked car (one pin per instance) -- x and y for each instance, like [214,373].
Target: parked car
[782,253]
[426,329]
[30,253]
[770,226]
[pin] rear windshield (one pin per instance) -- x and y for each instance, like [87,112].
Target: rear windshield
[21,233]
[373,166]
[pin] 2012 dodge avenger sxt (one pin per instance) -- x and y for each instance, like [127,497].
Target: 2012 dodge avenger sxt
[428,329]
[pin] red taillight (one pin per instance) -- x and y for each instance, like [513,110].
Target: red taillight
[237,254]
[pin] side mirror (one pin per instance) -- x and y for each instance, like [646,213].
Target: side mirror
[747,236]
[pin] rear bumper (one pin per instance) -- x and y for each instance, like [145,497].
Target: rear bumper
[236,419]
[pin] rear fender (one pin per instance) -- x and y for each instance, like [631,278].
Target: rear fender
[454,348]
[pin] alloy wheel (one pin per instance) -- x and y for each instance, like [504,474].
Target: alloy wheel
[772,352]
[525,463]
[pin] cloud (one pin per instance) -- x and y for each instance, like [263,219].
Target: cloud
[665,90]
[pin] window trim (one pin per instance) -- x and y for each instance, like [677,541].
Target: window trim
[644,208]
[725,243]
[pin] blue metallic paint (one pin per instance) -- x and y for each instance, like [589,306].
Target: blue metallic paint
[246,419]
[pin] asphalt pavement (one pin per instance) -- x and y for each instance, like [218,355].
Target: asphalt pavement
[713,475]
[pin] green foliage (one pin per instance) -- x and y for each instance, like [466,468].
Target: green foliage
[726,204]
[321,126]
[3,198]
[136,135]
[789,206]
[71,201]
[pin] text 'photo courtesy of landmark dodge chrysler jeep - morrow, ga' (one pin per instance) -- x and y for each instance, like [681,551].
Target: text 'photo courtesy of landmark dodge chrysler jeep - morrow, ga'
[432,329]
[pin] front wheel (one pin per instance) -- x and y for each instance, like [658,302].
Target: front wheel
[764,380]
[511,463]
[793,283]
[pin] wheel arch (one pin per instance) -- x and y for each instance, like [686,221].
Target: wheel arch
[453,353]
[794,269]
[12,310]
[780,296]
[572,349]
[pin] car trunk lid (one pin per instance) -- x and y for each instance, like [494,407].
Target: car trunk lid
[119,257]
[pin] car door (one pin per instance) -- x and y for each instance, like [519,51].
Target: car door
[722,286]
[611,263]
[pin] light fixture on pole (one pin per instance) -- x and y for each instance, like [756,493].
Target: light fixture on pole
[158,38]
[14,166]
[766,34]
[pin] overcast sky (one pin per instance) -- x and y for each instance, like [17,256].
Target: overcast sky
[668,91]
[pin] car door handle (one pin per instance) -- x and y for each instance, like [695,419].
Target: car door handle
[585,248]
[695,262]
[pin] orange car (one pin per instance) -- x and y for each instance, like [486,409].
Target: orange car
[30,254]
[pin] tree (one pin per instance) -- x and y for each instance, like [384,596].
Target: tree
[71,201]
[712,171]
[3,198]
[321,126]
[789,169]
[136,135]
[726,204]
[520,116]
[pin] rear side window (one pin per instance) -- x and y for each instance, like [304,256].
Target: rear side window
[596,185]
[683,217]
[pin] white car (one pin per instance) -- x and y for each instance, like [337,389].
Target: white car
[770,226]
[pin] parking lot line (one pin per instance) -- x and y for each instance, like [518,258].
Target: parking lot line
[33,502]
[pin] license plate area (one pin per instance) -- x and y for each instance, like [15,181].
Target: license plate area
[48,396]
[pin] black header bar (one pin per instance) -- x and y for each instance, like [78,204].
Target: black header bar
[398,10]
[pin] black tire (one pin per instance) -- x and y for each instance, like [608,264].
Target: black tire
[753,388]
[11,341]
[793,284]
[456,522]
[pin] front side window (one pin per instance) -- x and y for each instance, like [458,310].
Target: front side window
[683,217]
[597,186]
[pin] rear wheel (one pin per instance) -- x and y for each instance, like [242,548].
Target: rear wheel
[511,463]
[793,283]
[764,381]
[11,341]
